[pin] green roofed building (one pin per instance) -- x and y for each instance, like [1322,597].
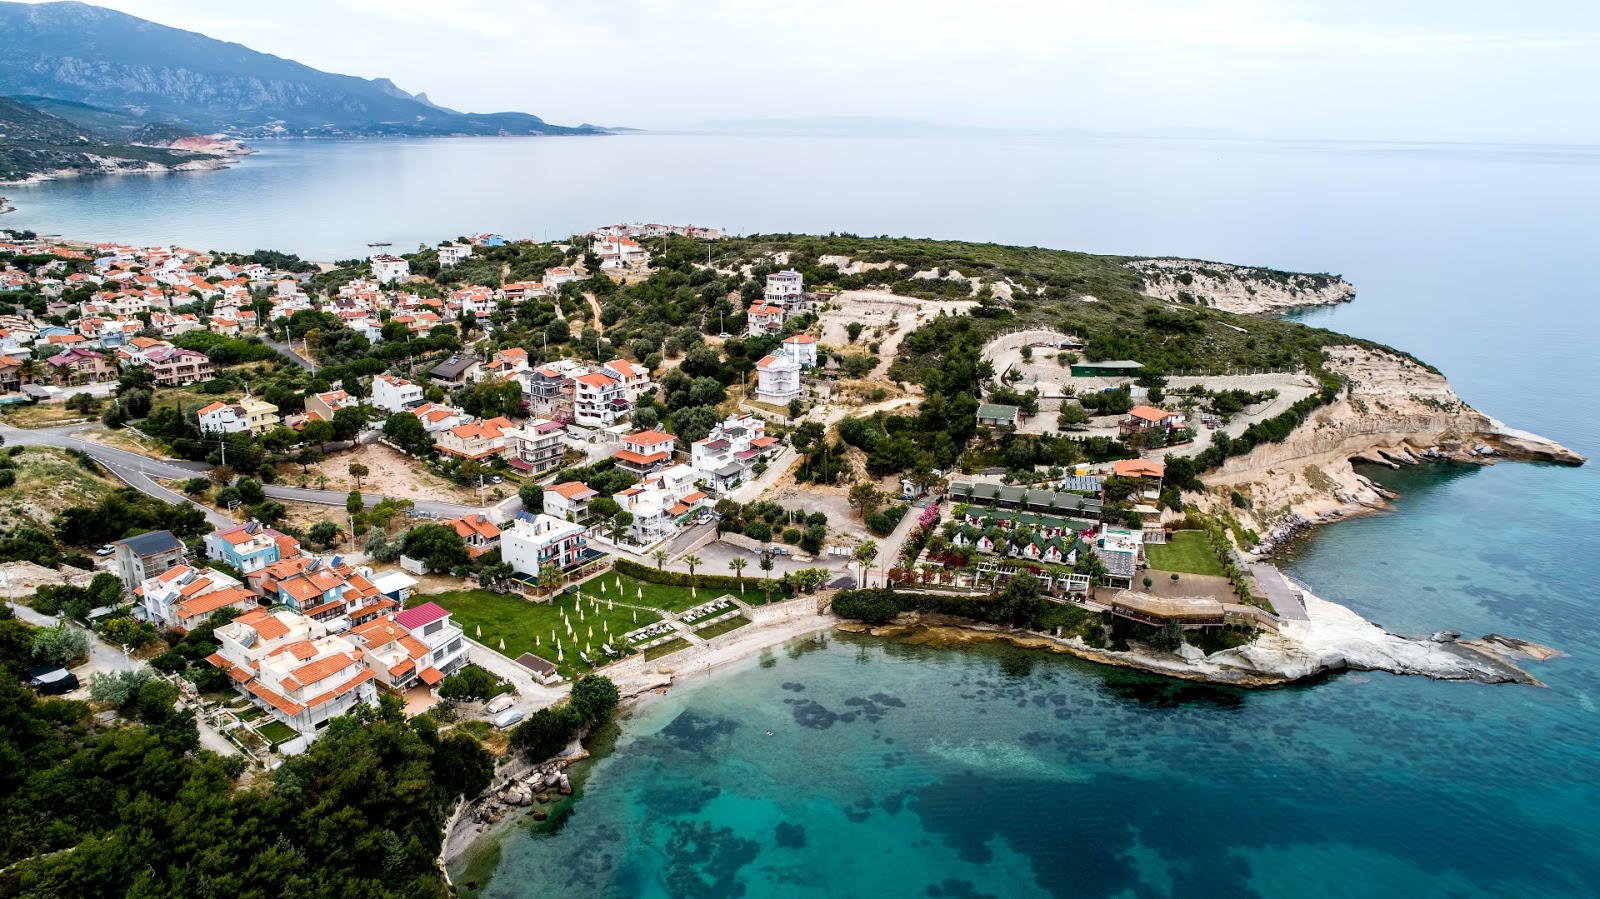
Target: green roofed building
[1113,368]
[995,414]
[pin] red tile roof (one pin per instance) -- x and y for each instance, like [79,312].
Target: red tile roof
[414,618]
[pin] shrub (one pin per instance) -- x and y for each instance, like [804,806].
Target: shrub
[472,682]
[874,606]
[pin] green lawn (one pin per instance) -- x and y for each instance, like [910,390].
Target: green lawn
[722,627]
[276,732]
[528,626]
[671,646]
[1187,551]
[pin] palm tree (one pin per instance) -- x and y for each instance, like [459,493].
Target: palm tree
[660,556]
[693,562]
[549,577]
[864,555]
[766,572]
[737,564]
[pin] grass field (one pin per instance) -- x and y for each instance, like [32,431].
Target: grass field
[657,596]
[44,415]
[276,732]
[722,627]
[534,627]
[49,480]
[667,648]
[1187,551]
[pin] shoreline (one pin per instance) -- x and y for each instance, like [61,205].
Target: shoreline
[207,163]
[467,835]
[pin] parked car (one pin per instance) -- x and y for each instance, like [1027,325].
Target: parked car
[52,680]
[495,479]
[106,550]
[507,719]
[500,703]
[780,550]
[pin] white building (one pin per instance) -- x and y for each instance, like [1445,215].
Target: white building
[777,379]
[785,288]
[388,269]
[569,501]
[660,503]
[635,379]
[555,277]
[802,348]
[395,394]
[289,665]
[535,447]
[598,400]
[724,459]
[451,253]
[184,597]
[532,542]
[617,251]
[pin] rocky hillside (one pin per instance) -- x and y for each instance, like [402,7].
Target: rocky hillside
[84,54]
[1236,288]
[1394,412]
[35,144]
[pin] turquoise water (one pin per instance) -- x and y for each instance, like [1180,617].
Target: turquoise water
[981,772]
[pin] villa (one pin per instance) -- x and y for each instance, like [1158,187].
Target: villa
[290,666]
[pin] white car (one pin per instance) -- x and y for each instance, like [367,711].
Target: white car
[105,550]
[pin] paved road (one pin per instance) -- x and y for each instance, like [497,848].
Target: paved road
[139,471]
[293,355]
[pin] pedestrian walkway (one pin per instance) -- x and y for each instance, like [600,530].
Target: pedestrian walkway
[1283,595]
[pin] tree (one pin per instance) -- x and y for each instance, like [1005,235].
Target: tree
[348,422]
[1073,417]
[59,645]
[471,683]
[119,688]
[406,431]
[866,499]
[864,555]
[550,577]
[307,458]
[766,572]
[357,472]
[316,432]
[619,524]
[594,697]
[854,329]
[197,486]
[544,734]
[660,556]
[532,496]
[795,408]
[737,565]
[693,562]
[436,544]
[324,533]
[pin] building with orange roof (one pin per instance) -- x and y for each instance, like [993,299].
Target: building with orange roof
[569,501]
[777,379]
[1144,418]
[599,400]
[183,596]
[290,666]
[250,546]
[321,406]
[645,452]
[478,532]
[478,440]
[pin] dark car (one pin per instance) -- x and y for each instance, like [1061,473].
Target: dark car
[52,680]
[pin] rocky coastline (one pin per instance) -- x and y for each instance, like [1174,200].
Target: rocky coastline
[1333,639]
[1237,288]
[106,165]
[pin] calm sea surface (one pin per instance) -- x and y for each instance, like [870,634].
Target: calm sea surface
[900,771]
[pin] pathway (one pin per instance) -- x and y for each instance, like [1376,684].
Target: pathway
[1283,595]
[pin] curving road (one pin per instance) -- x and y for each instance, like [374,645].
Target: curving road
[139,472]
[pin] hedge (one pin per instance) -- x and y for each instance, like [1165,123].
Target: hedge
[874,606]
[880,604]
[681,579]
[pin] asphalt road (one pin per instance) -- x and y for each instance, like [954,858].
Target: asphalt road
[139,472]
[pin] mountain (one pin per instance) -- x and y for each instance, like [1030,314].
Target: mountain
[76,53]
[35,143]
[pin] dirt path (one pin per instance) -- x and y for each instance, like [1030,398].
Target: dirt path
[594,306]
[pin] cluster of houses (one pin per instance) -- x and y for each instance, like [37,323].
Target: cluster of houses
[1059,526]
[315,635]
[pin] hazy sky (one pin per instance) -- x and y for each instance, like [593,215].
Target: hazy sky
[1521,71]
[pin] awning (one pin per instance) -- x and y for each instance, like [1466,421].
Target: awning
[431,676]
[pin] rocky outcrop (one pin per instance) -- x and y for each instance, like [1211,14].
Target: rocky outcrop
[1394,411]
[1236,288]
[1332,639]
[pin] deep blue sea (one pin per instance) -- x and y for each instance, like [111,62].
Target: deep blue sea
[907,771]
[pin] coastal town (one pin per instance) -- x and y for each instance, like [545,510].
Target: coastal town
[467,479]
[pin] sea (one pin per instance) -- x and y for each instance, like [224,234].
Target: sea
[854,766]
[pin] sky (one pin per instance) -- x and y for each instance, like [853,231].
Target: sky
[1428,70]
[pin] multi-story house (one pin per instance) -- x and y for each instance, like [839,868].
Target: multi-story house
[550,392]
[763,318]
[557,276]
[248,416]
[430,624]
[777,379]
[391,394]
[802,348]
[635,379]
[478,532]
[323,405]
[290,666]
[619,252]
[436,418]
[79,366]
[176,367]
[599,400]
[250,547]
[475,440]
[396,657]
[183,597]
[569,501]
[452,253]
[138,558]
[726,456]
[534,541]
[388,269]
[660,503]
[785,288]
[645,452]
[536,446]
[457,371]
[327,590]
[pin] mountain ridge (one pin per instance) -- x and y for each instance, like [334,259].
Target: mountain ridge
[78,53]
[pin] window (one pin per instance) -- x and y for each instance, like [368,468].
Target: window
[454,647]
[434,628]
[440,653]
